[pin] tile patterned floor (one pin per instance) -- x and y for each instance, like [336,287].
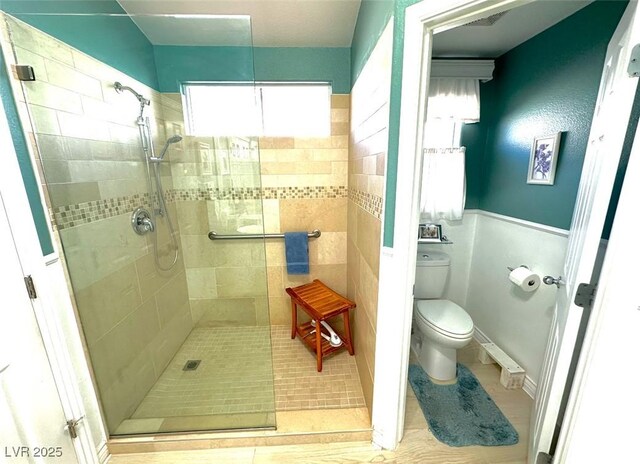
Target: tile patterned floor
[299,385]
[418,445]
[235,375]
[235,378]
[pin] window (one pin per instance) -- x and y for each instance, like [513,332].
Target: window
[267,109]
[442,133]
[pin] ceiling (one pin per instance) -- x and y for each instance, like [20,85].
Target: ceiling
[323,23]
[512,29]
[274,23]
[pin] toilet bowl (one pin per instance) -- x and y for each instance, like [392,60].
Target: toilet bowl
[440,327]
[443,327]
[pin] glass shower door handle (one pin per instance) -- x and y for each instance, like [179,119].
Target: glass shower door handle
[141,221]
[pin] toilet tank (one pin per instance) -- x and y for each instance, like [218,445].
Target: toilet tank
[432,268]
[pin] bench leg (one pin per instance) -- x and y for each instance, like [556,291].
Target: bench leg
[347,332]
[294,319]
[319,346]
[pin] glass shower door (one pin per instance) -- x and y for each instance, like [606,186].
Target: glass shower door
[176,325]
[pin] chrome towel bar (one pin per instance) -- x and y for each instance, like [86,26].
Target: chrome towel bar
[214,236]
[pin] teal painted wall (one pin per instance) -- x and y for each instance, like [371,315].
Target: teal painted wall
[373,16]
[474,138]
[305,64]
[548,84]
[574,46]
[114,40]
[26,169]
[178,64]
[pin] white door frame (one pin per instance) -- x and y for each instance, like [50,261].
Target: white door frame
[397,265]
[34,264]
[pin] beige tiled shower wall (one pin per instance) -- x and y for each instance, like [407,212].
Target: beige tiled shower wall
[86,143]
[310,176]
[217,187]
[238,185]
[367,163]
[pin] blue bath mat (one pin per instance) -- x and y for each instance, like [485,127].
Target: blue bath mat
[462,414]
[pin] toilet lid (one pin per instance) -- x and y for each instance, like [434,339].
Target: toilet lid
[445,316]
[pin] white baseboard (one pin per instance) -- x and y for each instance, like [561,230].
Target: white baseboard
[103,453]
[529,386]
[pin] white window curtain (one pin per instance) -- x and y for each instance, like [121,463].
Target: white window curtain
[443,184]
[456,99]
[451,103]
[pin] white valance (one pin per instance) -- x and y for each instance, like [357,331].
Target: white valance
[473,69]
[454,99]
[443,184]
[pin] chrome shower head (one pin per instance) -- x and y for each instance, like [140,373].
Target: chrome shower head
[171,140]
[120,88]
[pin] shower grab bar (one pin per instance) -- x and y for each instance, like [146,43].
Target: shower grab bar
[214,236]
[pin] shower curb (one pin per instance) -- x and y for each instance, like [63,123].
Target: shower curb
[203,441]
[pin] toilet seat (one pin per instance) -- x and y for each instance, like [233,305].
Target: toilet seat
[445,317]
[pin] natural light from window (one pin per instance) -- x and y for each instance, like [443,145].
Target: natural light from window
[262,109]
[442,133]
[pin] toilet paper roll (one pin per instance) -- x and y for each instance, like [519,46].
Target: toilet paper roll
[525,279]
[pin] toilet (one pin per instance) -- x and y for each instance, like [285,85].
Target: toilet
[440,327]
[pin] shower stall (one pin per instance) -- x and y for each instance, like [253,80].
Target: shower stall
[176,325]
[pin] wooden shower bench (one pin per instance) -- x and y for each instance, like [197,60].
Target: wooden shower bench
[321,303]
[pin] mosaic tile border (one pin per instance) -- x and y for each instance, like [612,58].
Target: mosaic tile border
[372,204]
[65,217]
[259,193]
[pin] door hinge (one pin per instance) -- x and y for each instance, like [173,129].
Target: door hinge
[24,72]
[585,295]
[31,288]
[72,427]
[634,62]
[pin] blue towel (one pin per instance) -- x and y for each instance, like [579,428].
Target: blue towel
[296,248]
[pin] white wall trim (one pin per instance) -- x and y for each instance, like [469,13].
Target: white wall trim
[521,222]
[103,453]
[529,386]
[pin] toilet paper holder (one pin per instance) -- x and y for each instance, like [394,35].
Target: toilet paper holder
[550,280]
[522,265]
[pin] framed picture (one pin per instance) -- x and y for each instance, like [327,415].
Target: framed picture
[430,233]
[543,160]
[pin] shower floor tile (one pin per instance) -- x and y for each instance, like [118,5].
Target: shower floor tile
[234,376]
[299,385]
[234,380]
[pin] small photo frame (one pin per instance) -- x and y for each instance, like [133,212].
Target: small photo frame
[544,160]
[430,233]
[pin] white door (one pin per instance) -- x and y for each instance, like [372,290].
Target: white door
[32,422]
[601,420]
[608,130]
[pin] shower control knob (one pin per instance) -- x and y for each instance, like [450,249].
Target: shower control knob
[141,221]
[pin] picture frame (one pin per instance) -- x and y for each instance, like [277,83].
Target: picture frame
[430,233]
[543,159]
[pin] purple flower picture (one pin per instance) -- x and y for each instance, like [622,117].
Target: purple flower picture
[543,160]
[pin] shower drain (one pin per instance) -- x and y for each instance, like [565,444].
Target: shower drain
[191,365]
